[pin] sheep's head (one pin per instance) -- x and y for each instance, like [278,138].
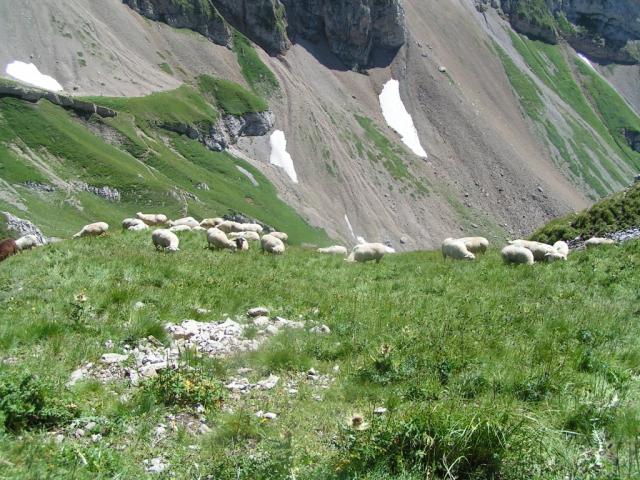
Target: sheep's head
[554,256]
[469,256]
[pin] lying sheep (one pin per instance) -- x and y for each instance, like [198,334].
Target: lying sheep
[538,249]
[517,254]
[138,227]
[164,239]
[554,256]
[561,247]
[251,227]
[8,247]
[27,242]
[92,230]
[241,244]
[456,249]
[152,218]
[475,244]
[250,236]
[188,221]
[280,235]
[365,252]
[211,222]
[180,228]
[199,229]
[216,238]
[334,250]
[131,222]
[271,244]
[597,241]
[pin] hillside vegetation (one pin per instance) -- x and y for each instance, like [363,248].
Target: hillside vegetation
[486,371]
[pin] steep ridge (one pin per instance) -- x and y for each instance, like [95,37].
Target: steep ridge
[491,168]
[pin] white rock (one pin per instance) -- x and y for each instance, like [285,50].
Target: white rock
[442,69]
[322,329]
[202,311]
[272,330]
[138,306]
[261,321]
[380,411]
[258,312]
[266,415]
[238,384]
[268,383]
[76,376]
[96,438]
[157,465]
[113,358]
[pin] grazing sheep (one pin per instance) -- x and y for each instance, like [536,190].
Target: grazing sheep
[180,228]
[280,235]
[130,222]
[334,250]
[229,226]
[92,230]
[211,222]
[165,239]
[517,254]
[251,227]
[538,249]
[554,256]
[199,229]
[456,249]
[561,247]
[152,218]
[216,238]
[271,244]
[364,252]
[241,243]
[8,247]
[138,227]
[475,244]
[27,242]
[597,241]
[250,236]
[188,221]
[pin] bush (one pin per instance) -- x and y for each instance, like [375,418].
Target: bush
[28,403]
[185,387]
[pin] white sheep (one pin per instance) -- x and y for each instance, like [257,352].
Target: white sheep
[180,228]
[93,230]
[280,235]
[538,249]
[365,252]
[211,222]
[241,244]
[475,244]
[27,242]
[598,241]
[216,238]
[561,247]
[251,227]
[554,256]
[138,227]
[229,226]
[165,239]
[517,254]
[130,222]
[271,244]
[456,249]
[152,218]
[334,250]
[250,236]
[188,221]
[199,229]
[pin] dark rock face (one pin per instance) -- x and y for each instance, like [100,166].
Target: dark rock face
[633,139]
[198,15]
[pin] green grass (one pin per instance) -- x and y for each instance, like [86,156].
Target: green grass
[259,77]
[166,68]
[230,97]
[617,212]
[487,371]
[387,153]
[535,12]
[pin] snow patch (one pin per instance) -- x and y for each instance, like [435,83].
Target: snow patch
[249,175]
[398,117]
[346,219]
[586,60]
[279,155]
[29,73]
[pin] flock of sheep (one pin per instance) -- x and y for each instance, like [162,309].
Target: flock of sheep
[235,236]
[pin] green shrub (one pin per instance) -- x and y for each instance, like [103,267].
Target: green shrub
[185,387]
[27,402]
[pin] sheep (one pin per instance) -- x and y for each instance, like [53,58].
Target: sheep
[538,249]
[554,256]
[180,228]
[475,244]
[92,230]
[334,250]
[561,247]
[517,254]
[164,239]
[188,221]
[8,247]
[216,238]
[597,241]
[211,222]
[456,249]
[251,227]
[250,236]
[152,218]
[271,244]
[364,252]
[241,243]
[229,226]
[27,242]
[138,227]
[280,235]
[130,222]
[199,229]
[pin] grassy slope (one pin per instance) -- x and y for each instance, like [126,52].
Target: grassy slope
[256,73]
[488,370]
[146,165]
[617,212]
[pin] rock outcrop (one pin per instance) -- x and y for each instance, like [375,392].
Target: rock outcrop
[23,227]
